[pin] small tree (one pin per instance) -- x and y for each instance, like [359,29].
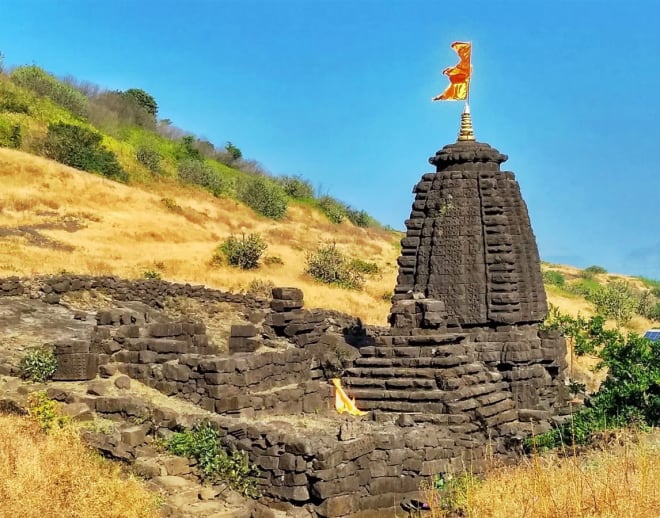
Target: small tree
[233,151]
[617,300]
[144,100]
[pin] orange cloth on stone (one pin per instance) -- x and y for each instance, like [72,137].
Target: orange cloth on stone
[459,75]
[342,402]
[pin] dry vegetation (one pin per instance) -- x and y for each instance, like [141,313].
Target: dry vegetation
[55,475]
[122,230]
[619,481]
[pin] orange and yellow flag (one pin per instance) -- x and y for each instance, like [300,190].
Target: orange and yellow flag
[459,75]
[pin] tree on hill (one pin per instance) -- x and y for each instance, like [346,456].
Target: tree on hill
[144,100]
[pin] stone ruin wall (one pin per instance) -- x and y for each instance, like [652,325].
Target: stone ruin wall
[437,401]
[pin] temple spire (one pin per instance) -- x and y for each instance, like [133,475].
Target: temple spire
[466,132]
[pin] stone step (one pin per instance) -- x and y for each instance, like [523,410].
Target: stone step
[420,340]
[391,383]
[384,372]
[413,351]
[402,406]
[437,362]
[362,394]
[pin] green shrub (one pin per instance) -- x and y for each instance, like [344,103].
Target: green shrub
[654,312]
[364,267]
[151,274]
[617,300]
[202,443]
[45,411]
[360,218]
[200,173]
[10,135]
[264,196]
[595,270]
[10,101]
[630,395]
[330,266]
[187,149]
[296,187]
[45,84]
[245,252]
[335,210]
[38,365]
[554,278]
[584,286]
[81,148]
[149,158]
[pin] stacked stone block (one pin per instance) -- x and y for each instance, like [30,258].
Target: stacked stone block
[152,292]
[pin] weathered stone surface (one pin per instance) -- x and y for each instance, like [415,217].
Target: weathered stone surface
[123,382]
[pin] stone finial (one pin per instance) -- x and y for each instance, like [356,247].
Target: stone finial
[466,132]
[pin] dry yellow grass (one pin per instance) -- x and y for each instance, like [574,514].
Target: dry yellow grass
[54,475]
[126,230]
[618,482]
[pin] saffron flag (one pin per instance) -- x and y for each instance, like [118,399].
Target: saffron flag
[459,75]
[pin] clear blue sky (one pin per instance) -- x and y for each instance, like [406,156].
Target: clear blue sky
[339,91]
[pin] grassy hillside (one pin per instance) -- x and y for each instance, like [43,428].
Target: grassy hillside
[54,218]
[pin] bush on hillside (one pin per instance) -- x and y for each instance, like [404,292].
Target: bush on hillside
[244,252]
[10,101]
[200,173]
[149,158]
[360,218]
[595,270]
[81,148]
[554,278]
[630,395]
[296,187]
[335,210]
[264,196]
[187,149]
[10,135]
[44,84]
[616,300]
[330,266]
[364,267]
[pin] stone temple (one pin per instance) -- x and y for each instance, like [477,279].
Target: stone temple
[464,336]
[464,370]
